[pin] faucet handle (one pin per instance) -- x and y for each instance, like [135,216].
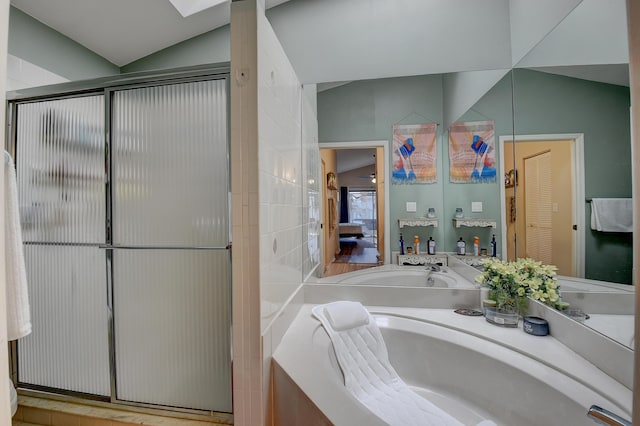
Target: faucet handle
[606,417]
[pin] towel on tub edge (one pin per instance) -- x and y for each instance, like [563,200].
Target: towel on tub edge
[368,374]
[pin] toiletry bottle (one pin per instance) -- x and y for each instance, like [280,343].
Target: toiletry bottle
[416,244]
[462,247]
[401,244]
[476,246]
[494,246]
[431,246]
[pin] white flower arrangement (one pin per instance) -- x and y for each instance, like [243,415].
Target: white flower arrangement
[510,283]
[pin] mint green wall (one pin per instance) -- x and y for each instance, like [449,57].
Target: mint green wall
[367,110]
[544,103]
[208,48]
[39,44]
[496,106]
[547,103]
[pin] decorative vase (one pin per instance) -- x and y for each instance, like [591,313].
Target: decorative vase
[502,317]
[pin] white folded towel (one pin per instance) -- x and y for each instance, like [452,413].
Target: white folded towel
[18,315]
[612,214]
[368,375]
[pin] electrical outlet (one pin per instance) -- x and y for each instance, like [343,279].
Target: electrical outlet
[411,206]
[476,206]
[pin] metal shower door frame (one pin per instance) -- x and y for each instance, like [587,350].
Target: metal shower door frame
[108,86]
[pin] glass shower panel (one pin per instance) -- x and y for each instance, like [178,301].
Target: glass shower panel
[172,328]
[61,174]
[68,347]
[170,229]
[170,165]
[61,170]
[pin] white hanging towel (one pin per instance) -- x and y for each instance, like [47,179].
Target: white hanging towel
[18,315]
[612,214]
[368,374]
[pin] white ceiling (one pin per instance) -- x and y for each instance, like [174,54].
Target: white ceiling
[340,41]
[350,159]
[123,31]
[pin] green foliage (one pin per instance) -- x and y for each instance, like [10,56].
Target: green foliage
[510,283]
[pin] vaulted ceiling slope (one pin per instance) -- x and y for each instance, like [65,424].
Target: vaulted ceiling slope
[123,31]
[345,40]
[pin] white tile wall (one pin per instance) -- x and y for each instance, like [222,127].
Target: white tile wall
[281,174]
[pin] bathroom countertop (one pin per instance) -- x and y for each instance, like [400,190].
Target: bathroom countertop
[618,327]
[297,355]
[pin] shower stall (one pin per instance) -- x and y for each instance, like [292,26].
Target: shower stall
[124,197]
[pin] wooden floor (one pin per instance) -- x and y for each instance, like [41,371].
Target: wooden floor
[33,411]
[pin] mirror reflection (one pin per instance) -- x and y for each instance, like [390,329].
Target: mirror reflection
[566,106]
[354,194]
[572,163]
[572,126]
[349,112]
[364,114]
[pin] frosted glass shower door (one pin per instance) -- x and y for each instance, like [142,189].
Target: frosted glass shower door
[61,174]
[170,224]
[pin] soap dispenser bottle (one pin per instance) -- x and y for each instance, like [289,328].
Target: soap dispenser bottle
[461,247]
[416,244]
[431,246]
[401,244]
[494,246]
[476,246]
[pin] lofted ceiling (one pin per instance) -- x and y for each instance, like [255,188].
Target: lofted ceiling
[340,41]
[123,31]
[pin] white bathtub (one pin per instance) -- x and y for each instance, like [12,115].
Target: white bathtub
[469,368]
[402,276]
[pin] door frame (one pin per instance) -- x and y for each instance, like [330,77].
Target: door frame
[371,144]
[578,190]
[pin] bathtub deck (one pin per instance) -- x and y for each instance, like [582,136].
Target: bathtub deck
[309,366]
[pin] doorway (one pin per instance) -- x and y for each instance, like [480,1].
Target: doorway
[542,204]
[354,209]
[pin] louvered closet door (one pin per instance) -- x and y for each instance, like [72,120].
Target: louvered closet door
[171,269]
[61,187]
[538,207]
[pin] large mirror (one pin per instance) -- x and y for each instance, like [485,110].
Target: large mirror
[353,117]
[571,109]
[572,159]
[352,124]
[556,89]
